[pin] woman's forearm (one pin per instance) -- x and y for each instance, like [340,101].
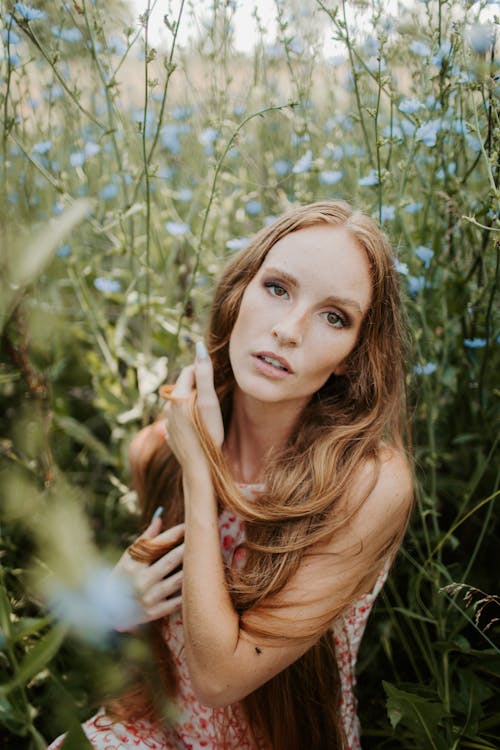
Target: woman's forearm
[211,624]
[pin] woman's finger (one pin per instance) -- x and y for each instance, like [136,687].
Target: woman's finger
[155,525]
[204,377]
[162,590]
[166,564]
[172,535]
[208,403]
[165,608]
[185,383]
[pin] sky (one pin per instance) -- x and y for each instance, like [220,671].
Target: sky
[245,30]
[244,23]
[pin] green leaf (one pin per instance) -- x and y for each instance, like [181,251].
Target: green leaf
[417,714]
[76,739]
[83,435]
[28,626]
[5,608]
[34,253]
[37,658]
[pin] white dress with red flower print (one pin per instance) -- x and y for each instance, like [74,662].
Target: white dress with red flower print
[198,727]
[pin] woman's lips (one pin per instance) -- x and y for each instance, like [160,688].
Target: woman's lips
[272,365]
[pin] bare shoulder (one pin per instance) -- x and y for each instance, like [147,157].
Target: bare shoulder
[395,477]
[382,494]
[145,444]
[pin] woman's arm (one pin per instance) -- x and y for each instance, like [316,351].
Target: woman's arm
[225,662]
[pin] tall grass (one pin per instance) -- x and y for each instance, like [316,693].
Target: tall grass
[128,175]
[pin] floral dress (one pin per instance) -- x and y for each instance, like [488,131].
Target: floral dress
[197,727]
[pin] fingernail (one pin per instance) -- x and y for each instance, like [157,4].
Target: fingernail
[157,513]
[201,350]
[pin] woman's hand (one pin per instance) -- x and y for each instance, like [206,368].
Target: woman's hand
[156,585]
[181,432]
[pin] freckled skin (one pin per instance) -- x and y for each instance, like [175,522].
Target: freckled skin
[294,322]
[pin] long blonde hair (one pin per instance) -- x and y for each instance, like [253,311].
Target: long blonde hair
[341,431]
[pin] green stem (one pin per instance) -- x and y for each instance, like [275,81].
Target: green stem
[146,339]
[24,26]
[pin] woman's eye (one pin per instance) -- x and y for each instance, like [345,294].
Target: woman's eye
[334,319]
[275,289]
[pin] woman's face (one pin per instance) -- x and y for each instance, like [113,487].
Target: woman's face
[300,315]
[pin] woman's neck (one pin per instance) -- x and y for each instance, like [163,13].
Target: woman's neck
[255,431]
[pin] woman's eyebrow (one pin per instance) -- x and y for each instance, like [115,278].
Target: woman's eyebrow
[333,299]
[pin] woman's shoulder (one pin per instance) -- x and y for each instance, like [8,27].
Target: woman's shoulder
[145,444]
[382,492]
[395,473]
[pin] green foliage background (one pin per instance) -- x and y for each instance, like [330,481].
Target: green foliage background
[128,175]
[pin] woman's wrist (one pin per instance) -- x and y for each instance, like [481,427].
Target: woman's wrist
[197,480]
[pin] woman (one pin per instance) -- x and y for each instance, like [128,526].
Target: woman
[286,491]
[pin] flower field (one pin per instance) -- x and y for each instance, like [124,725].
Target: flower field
[129,174]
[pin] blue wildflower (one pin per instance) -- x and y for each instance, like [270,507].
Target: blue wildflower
[370,179]
[475,343]
[42,147]
[425,254]
[297,139]
[58,208]
[63,251]
[116,45]
[387,213]
[330,177]
[166,172]
[14,60]
[415,285]
[408,127]
[296,45]
[426,369]
[67,35]
[414,208]
[427,132]
[253,208]
[409,105]
[400,267]
[274,51]
[77,159]
[282,167]
[442,53]
[481,37]
[176,228]
[181,113]
[304,164]
[336,60]
[107,286]
[103,603]
[208,136]
[420,48]
[334,152]
[108,192]
[91,149]
[238,243]
[56,91]
[29,13]
[371,46]
[10,36]
[169,135]
[393,131]
[184,195]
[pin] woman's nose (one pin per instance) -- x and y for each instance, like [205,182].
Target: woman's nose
[287,332]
